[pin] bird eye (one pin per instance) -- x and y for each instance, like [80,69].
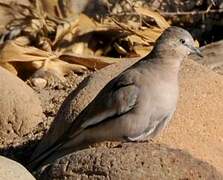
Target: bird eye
[182,41]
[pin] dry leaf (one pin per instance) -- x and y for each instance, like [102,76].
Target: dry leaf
[161,22]
[79,48]
[66,28]
[142,50]
[51,34]
[59,67]
[90,62]
[86,25]
[5,17]
[15,50]
[52,7]
[120,49]
[151,34]
[134,39]
[9,67]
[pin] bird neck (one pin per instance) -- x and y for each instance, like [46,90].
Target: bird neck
[164,64]
[165,57]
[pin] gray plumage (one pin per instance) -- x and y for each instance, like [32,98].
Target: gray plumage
[135,105]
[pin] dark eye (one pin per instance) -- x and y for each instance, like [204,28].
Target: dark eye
[182,41]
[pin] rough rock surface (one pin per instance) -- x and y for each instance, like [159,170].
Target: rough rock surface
[20,110]
[130,161]
[11,170]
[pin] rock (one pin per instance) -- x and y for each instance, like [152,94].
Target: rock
[23,2]
[39,82]
[20,110]
[11,170]
[212,56]
[131,161]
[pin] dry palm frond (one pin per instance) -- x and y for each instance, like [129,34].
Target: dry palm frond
[161,22]
[54,42]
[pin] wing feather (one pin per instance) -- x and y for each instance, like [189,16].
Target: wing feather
[117,98]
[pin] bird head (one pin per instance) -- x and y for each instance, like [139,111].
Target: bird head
[177,40]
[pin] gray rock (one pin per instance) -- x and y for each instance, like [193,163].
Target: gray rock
[11,170]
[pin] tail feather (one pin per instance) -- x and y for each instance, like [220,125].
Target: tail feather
[39,160]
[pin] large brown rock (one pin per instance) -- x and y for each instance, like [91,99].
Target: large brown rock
[20,109]
[132,161]
[11,170]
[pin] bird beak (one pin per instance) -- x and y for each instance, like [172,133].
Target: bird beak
[195,50]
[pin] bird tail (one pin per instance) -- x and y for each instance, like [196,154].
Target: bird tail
[37,161]
[44,155]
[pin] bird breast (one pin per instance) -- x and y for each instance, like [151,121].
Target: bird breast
[161,96]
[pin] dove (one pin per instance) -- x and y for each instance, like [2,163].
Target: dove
[135,105]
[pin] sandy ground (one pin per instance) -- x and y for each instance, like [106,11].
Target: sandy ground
[197,126]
